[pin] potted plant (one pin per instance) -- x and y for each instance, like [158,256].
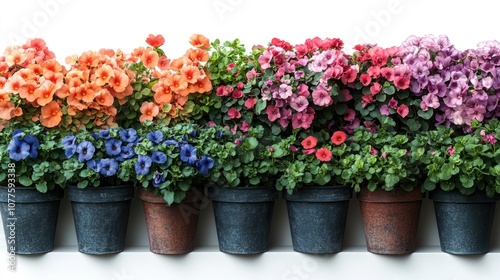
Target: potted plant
[170,170]
[387,181]
[461,176]
[98,181]
[242,191]
[311,188]
[30,79]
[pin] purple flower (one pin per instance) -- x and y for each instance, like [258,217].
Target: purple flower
[108,166]
[159,157]
[142,165]
[32,141]
[113,147]
[155,137]
[188,154]
[85,151]
[158,179]
[384,110]
[129,135]
[205,164]
[18,149]
[299,103]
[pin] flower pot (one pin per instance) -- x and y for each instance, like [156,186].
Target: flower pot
[243,218]
[464,221]
[29,219]
[390,220]
[317,217]
[171,229]
[101,217]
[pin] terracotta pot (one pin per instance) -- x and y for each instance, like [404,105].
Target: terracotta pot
[171,229]
[390,220]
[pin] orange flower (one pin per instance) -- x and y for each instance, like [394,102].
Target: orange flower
[190,74]
[155,41]
[6,110]
[28,92]
[198,55]
[204,85]
[199,41]
[55,77]
[178,63]
[14,84]
[176,83]
[18,112]
[162,95]
[149,110]
[63,92]
[52,65]
[51,114]
[37,69]
[103,74]
[4,97]
[150,58]
[89,59]
[164,63]
[16,56]
[104,98]
[45,93]
[119,81]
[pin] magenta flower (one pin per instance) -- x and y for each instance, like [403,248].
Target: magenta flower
[233,113]
[393,103]
[299,103]
[265,59]
[403,110]
[384,110]
[273,113]
[321,97]
[250,102]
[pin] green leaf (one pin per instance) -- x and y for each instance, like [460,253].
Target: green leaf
[341,108]
[25,181]
[42,187]
[426,114]
[429,185]
[389,90]
[82,184]
[168,196]
[260,106]
[391,180]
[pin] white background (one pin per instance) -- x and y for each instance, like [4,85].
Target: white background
[71,27]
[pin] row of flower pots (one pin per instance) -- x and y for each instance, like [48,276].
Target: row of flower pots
[243,218]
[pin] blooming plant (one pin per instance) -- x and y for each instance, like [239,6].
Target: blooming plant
[33,152]
[378,159]
[173,160]
[305,86]
[383,95]
[467,162]
[311,161]
[162,86]
[99,158]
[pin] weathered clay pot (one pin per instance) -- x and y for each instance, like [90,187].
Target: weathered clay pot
[171,229]
[390,220]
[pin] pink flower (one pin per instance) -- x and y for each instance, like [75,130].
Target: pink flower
[273,113]
[233,113]
[309,151]
[265,59]
[366,99]
[271,149]
[324,154]
[321,97]
[451,151]
[222,91]
[387,73]
[384,155]
[373,151]
[230,67]
[244,126]
[402,82]
[237,94]
[285,91]
[293,149]
[251,74]
[250,102]
[349,115]
[429,100]
[347,95]
[374,71]
[303,119]
[299,103]
[303,90]
[349,76]
[240,85]
[211,123]
[393,103]
[403,110]
[365,79]
[375,88]
[384,110]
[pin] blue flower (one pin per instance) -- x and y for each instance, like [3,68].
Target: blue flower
[205,164]
[108,166]
[193,133]
[142,165]
[17,133]
[126,152]
[159,157]
[69,141]
[155,137]
[129,135]
[171,142]
[85,151]
[104,134]
[158,179]
[113,147]
[94,165]
[18,149]
[70,151]
[34,144]
[218,134]
[188,154]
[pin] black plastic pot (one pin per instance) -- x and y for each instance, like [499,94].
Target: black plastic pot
[243,218]
[101,217]
[29,219]
[317,217]
[464,221]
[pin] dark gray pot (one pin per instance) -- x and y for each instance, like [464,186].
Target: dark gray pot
[464,221]
[317,217]
[101,217]
[243,218]
[34,215]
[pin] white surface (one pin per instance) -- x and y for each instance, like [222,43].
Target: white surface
[71,27]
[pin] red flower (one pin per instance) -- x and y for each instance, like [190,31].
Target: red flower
[155,41]
[402,110]
[324,154]
[233,113]
[338,137]
[250,102]
[309,143]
